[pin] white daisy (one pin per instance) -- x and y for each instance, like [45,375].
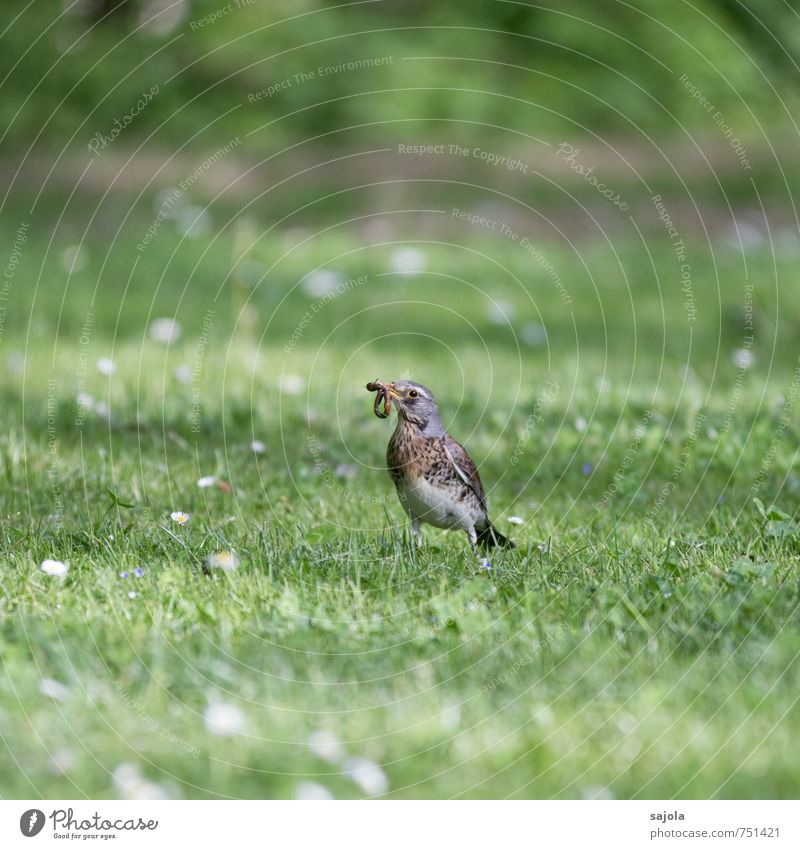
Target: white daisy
[103,410]
[292,384]
[207,481]
[85,400]
[408,261]
[53,689]
[223,720]
[74,258]
[183,373]
[367,775]
[308,791]
[500,312]
[225,560]
[743,358]
[106,366]
[165,330]
[533,334]
[516,520]
[325,745]
[129,783]
[55,568]
[179,517]
[257,446]
[193,221]
[62,761]
[322,281]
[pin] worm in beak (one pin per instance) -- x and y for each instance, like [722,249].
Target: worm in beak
[384,394]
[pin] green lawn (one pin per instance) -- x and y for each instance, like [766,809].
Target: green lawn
[641,641]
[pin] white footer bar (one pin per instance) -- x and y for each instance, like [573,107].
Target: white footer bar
[402,824]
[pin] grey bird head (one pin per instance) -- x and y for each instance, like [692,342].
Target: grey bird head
[416,404]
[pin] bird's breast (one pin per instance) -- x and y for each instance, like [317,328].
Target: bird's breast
[427,484]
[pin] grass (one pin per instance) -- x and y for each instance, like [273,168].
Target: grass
[640,642]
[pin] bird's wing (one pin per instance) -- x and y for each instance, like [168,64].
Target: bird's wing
[465,468]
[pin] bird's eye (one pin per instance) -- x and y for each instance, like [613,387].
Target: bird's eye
[412,393]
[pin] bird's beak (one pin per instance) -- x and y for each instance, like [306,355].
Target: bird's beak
[393,393]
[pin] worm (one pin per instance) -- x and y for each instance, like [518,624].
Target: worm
[383,395]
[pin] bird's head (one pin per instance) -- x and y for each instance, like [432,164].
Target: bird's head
[416,404]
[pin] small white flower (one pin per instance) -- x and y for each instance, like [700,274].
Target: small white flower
[516,520]
[62,761]
[193,221]
[367,775]
[207,481]
[183,373]
[106,366]
[129,783]
[165,330]
[450,715]
[322,281]
[325,744]
[595,791]
[85,400]
[55,568]
[746,233]
[310,791]
[132,594]
[743,358]
[533,334]
[486,564]
[225,560]
[103,410]
[180,518]
[223,720]
[250,272]
[257,446]
[53,689]
[580,424]
[408,261]
[292,384]
[74,258]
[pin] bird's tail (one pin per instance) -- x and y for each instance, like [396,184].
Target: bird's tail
[490,537]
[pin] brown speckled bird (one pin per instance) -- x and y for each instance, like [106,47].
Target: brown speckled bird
[436,480]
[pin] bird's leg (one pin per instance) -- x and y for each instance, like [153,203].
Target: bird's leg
[415,531]
[473,541]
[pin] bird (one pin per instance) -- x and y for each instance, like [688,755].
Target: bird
[436,480]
